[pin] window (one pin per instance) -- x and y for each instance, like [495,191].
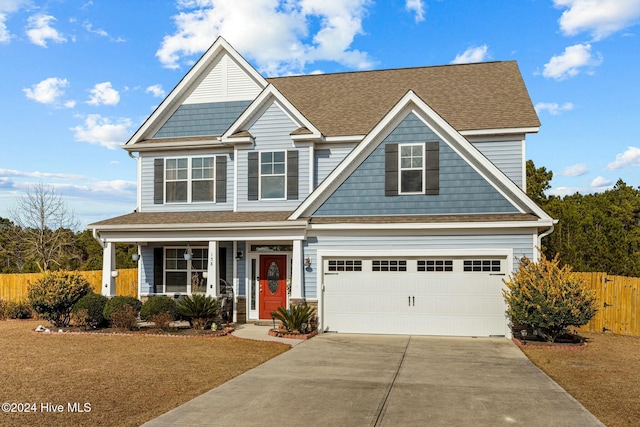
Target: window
[435,265]
[411,168]
[190,179]
[388,265]
[345,265]
[485,265]
[182,276]
[272,175]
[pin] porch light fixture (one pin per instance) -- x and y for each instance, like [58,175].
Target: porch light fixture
[187,253]
[115,273]
[307,262]
[239,255]
[135,256]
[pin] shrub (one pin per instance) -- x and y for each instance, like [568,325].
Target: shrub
[54,294]
[18,310]
[296,319]
[548,297]
[94,304]
[115,303]
[124,318]
[162,320]
[3,307]
[80,318]
[158,304]
[199,309]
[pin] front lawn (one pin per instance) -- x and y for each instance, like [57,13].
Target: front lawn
[125,380]
[604,377]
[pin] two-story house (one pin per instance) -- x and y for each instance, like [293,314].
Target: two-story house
[391,200]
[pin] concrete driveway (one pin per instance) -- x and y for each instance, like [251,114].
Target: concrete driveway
[378,380]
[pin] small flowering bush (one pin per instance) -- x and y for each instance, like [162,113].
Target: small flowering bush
[548,297]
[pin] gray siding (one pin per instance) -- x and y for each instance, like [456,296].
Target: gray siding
[506,155]
[521,241]
[212,118]
[462,189]
[272,131]
[147,172]
[326,160]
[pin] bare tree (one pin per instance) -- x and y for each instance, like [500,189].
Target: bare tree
[44,223]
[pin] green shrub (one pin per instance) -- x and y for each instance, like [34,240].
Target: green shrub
[124,318]
[548,298]
[158,304]
[296,319]
[18,310]
[199,309]
[94,304]
[54,294]
[115,303]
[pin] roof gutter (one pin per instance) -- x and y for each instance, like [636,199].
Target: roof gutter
[96,236]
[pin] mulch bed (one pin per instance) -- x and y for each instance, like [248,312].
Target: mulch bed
[142,331]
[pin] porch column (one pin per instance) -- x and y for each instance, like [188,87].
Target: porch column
[108,266]
[212,270]
[296,270]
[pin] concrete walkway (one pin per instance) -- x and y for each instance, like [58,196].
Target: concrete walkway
[376,380]
[261,333]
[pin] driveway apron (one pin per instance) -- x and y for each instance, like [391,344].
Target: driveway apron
[379,380]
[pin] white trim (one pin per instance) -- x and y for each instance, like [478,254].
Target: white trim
[212,142]
[432,226]
[268,95]
[422,168]
[235,179]
[311,166]
[284,175]
[344,139]
[411,103]
[500,131]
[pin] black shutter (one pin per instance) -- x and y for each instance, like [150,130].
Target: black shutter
[221,179]
[158,270]
[292,175]
[158,181]
[391,170]
[253,165]
[433,168]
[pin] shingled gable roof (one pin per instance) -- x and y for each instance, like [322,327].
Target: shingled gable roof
[481,96]
[412,103]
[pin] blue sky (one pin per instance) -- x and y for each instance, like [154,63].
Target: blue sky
[77,78]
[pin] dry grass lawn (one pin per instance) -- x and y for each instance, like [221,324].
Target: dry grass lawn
[126,380]
[604,377]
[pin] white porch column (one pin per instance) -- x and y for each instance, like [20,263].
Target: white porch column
[212,270]
[108,266]
[296,270]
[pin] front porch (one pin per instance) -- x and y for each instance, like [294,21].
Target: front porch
[258,275]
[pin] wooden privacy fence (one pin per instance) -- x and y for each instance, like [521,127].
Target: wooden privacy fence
[618,299]
[13,287]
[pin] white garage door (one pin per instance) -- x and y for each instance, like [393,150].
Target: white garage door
[420,296]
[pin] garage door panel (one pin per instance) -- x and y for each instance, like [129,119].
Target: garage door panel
[414,302]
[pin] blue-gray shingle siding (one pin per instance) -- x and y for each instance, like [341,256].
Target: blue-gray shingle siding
[212,118]
[462,189]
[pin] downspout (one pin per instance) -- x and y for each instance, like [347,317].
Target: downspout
[138,178]
[545,234]
[98,239]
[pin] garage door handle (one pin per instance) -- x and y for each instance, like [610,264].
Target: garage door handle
[412,299]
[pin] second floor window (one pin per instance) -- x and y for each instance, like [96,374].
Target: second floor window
[411,168]
[189,179]
[272,175]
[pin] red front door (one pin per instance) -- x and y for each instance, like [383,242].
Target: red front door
[273,284]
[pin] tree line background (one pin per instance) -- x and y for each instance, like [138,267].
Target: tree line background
[595,232]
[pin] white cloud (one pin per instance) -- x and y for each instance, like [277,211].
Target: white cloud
[89,27]
[600,18]
[578,169]
[39,30]
[417,7]
[156,90]
[276,34]
[600,181]
[553,107]
[103,94]
[103,131]
[5,173]
[5,35]
[631,157]
[569,63]
[473,54]
[47,91]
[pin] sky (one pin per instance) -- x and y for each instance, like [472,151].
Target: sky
[78,77]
